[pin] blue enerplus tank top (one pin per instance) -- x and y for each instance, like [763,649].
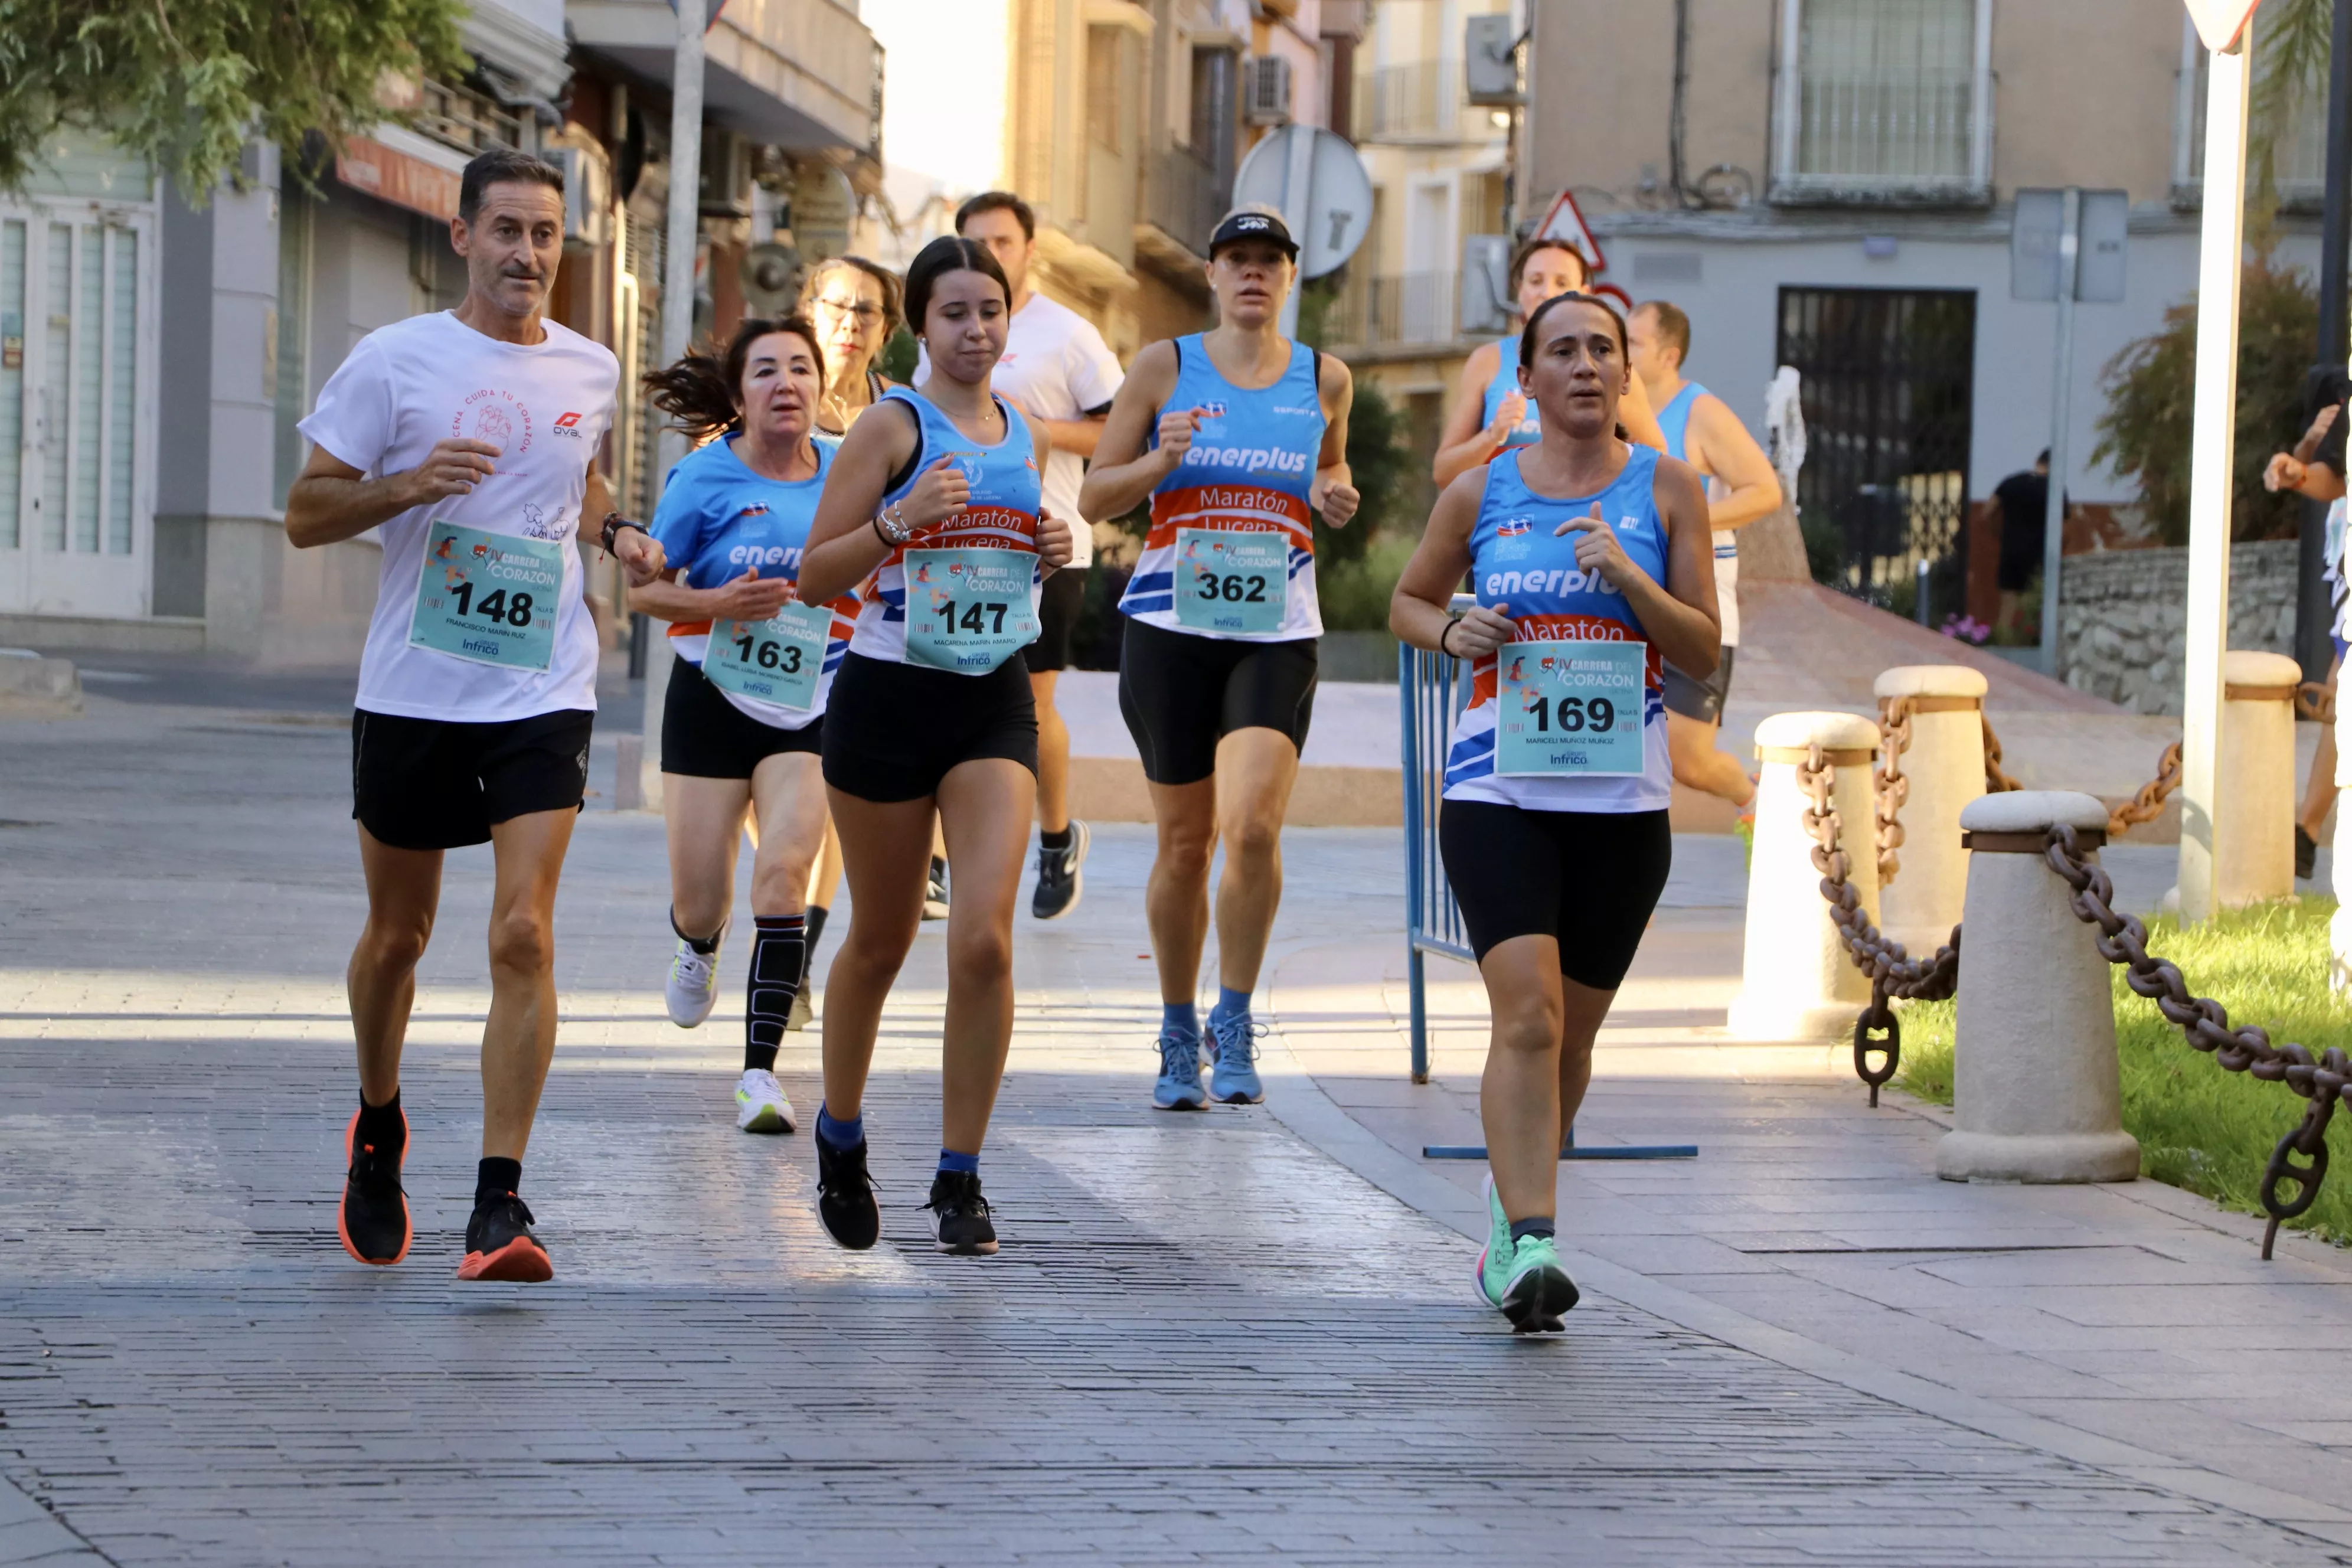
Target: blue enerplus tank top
[1530,429]
[1520,564]
[1249,469]
[1002,513]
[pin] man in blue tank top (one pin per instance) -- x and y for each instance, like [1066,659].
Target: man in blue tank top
[1702,430]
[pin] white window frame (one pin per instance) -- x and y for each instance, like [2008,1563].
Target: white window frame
[1791,184]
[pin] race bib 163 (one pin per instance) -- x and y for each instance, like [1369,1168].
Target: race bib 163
[776,660]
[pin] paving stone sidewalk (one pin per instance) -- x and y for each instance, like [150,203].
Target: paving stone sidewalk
[1209,1337]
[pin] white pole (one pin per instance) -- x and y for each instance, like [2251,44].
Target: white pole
[676,312]
[2054,511]
[2212,454]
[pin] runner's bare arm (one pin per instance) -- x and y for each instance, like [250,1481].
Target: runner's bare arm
[331,500]
[844,547]
[640,554]
[1679,614]
[1334,492]
[1462,444]
[1055,545]
[1722,443]
[1417,610]
[1124,471]
[750,597]
[1641,420]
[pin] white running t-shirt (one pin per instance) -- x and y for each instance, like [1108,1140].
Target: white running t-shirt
[1055,366]
[546,405]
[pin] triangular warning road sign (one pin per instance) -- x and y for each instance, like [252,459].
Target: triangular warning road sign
[1564,221]
[2219,22]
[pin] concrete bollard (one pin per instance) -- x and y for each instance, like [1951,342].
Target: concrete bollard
[1796,981]
[1945,763]
[2253,840]
[2036,1094]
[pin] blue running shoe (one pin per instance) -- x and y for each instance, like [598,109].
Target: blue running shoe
[1180,1087]
[1234,1081]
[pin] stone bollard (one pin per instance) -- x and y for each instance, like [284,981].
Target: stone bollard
[2339,925]
[1796,981]
[2253,840]
[2037,1095]
[1945,763]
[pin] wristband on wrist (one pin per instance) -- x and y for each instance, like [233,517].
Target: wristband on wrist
[1451,622]
[613,524]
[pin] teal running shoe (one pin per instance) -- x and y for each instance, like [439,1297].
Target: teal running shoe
[1234,1080]
[1522,1280]
[1180,1087]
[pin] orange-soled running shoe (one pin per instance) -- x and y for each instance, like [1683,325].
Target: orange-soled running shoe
[374,1219]
[499,1245]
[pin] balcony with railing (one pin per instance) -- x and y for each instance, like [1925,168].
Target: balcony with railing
[1401,311]
[802,74]
[1420,102]
[1183,198]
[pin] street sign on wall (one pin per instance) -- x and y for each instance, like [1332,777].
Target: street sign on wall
[2038,232]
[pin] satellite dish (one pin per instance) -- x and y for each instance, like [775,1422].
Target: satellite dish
[1331,212]
[771,279]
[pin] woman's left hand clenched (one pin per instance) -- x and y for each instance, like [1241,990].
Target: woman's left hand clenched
[1054,546]
[1598,550]
[1335,499]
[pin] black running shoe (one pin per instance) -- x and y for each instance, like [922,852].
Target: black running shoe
[959,1214]
[499,1245]
[1060,883]
[2306,854]
[374,1220]
[845,1195]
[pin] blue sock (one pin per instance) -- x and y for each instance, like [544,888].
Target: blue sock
[1180,1018]
[1231,1004]
[840,1134]
[968,1164]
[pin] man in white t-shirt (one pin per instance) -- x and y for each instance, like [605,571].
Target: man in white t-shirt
[468,438]
[1057,369]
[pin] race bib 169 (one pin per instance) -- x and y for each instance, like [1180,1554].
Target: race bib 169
[1568,708]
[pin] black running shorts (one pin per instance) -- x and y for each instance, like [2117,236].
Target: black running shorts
[1589,878]
[431,783]
[1058,603]
[1181,694]
[704,736]
[892,732]
[1700,700]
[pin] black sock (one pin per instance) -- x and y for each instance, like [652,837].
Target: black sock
[705,945]
[1523,1228]
[939,870]
[496,1179]
[779,948]
[1058,840]
[382,1127]
[814,920]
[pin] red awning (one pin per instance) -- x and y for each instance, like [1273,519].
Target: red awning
[397,177]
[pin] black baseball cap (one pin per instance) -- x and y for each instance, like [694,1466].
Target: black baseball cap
[1253,223]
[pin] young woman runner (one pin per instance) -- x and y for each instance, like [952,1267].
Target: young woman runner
[1592,564]
[935,497]
[747,692]
[1237,434]
[1491,413]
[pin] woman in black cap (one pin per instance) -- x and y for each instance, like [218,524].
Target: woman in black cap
[1238,435]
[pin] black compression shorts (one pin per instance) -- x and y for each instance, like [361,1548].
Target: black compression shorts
[705,736]
[892,732]
[1181,694]
[1589,878]
[435,784]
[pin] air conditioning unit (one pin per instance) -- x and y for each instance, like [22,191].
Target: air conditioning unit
[1486,302]
[587,196]
[1266,90]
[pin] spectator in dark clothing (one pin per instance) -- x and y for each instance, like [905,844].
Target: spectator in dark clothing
[2316,468]
[2024,500]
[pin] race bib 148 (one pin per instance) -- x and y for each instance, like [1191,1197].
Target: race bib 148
[489,598]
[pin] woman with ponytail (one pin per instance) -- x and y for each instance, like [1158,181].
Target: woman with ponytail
[745,709]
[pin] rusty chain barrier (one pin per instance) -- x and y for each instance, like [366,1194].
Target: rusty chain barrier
[2123,940]
[1892,787]
[1997,779]
[2148,803]
[1893,972]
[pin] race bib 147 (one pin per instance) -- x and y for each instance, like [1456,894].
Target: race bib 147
[969,608]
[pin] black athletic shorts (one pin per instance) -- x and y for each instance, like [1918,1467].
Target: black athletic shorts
[1058,603]
[432,784]
[1181,694]
[1700,700]
[1589,878]
[892,731]
[704,736]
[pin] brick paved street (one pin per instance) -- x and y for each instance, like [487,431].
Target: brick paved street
[1207,1338]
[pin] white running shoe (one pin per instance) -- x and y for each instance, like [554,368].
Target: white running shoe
[693,987]
[760,1104]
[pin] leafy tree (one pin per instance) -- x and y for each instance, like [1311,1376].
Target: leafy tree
[2150,386]
[184,83]
[1377,459]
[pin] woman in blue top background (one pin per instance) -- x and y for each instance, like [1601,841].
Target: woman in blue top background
[1557,863]
[1491,412]
[734,517]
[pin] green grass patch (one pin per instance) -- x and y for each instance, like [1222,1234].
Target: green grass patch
[2200,1127]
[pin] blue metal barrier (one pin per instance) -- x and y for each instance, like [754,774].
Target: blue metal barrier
[1431,688]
